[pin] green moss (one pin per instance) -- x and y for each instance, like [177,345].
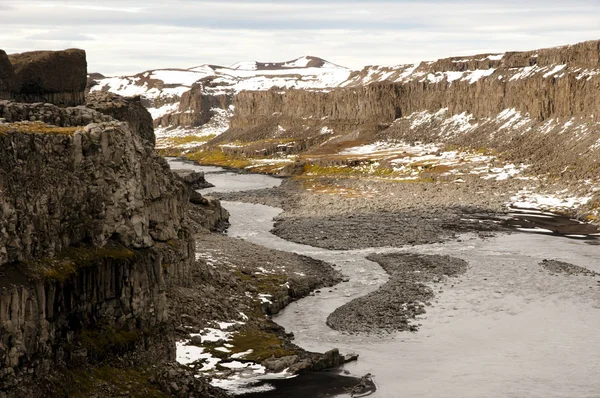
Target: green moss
[170,152]
[265,284]
[265,344]
[216,157]
[101,342]
[188,139]
[129,382]
[379,171]
[36,128]
[69,261]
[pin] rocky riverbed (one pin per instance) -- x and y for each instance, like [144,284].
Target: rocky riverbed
[475,293]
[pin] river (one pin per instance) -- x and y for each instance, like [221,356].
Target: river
[507,328]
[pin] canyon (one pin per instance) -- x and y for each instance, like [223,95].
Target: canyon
[535,110]
[158,231]
[99,240]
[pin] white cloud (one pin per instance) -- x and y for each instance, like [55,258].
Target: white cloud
[132,36]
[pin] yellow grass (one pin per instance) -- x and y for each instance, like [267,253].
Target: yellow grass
[36,128]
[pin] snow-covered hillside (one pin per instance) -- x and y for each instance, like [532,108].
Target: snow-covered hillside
[163,89]
[199,100]
[162,84]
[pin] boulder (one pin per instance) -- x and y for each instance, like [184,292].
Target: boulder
[8,80]
[194,179]
[58,77]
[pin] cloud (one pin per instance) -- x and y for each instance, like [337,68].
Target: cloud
[137,35]
[60,35]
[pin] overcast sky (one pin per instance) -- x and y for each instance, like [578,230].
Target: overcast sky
[132,36]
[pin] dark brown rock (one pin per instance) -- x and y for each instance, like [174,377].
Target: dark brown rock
[8,79]
[58,77]
[195,107]
[128,110]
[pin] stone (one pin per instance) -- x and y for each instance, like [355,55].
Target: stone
[93,230]
[278,365]
[58,77]
[8,79]
[194,179]
[128,110]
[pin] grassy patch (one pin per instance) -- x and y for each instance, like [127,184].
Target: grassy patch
[363,170]
[188,139]
[129,382]
[264,344]
[265,284]
[170,152]
[70,260]
[216,157]
[271,141]
[101,342]
[36,128]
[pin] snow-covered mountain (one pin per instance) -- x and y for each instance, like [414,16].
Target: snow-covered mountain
[198,100]
[160,85]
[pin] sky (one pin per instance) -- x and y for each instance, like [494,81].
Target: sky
[127,37]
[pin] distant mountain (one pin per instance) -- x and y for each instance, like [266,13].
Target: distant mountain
[191,98]
[306,61]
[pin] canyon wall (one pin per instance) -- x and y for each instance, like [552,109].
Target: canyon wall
[93,227]
[116,185]
[93,230]
[195,107]
[540,108]
[559,82]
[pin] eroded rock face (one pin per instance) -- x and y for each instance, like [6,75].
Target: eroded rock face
[540,108]
[48,322]
[96,184]
[92,231]
[8,80]
[195,108]
[12,111]
[342,109]
[58,77]
[128,110]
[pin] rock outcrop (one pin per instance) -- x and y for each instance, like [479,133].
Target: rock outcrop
[8,80]
[93,230]
[57,77]
[345,110]
[540,108]
[119,190]
[559,82]
[195,108]
[128,110]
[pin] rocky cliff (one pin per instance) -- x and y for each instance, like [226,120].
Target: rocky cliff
[92,228]
[58,77]
[8,80]
[560,82]
[93,231]
[540,108]
[195,109]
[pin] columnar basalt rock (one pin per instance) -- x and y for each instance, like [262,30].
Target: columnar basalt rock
[52,321]
[119,190]
[57,77]
[345,110]
[195,108]
[472,102]
[8,80]
[92,231]
[128,110]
